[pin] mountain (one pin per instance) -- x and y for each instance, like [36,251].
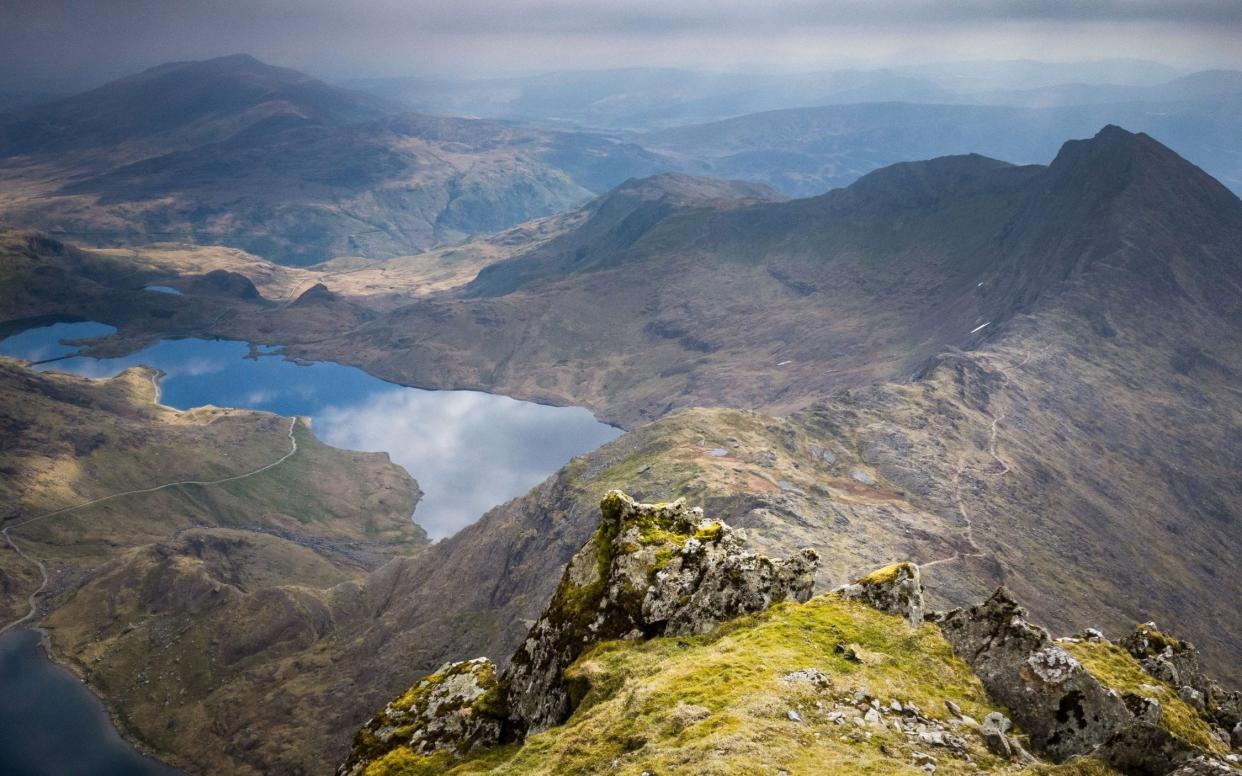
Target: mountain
[805,151]
[1203,85]
[183,105]
[1017,375]
[669,647]
[232,151]
[645,99]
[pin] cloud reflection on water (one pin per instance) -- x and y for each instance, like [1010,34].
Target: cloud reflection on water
[469,451]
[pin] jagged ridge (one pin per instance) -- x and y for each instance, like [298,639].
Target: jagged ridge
[829,680]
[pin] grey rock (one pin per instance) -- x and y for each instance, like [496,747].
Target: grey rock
[793,716]
[1064,709]
[1144,748]
[649,570]
[1236,736]
[1205,766]
[895,589]
[812,676]
[863,476]
[995,729]
[1193,697]
[1091,634]
[953,708]
[1144,708]
[455,709]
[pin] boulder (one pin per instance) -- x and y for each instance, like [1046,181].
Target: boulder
[457,708]
[896,589]
[1064,709]
[995,731]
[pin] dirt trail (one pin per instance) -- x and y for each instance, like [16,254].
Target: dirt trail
[32,600]
[974,551]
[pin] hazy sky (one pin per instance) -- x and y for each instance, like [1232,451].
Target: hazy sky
[98,39]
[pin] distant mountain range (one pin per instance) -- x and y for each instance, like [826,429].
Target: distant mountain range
[232,151]
[651,98]
[805,151]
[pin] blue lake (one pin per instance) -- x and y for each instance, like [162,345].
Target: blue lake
[162,290]
[51,725]
[469,451]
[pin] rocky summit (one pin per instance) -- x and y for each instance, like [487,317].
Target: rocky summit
[670,648]
[649,570]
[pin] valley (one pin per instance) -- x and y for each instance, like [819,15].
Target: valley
[940,363]
[501,408]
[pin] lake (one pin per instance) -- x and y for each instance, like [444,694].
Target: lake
[50,724]
[469,452]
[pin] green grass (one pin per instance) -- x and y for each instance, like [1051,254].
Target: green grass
[1116,668]
[717,703]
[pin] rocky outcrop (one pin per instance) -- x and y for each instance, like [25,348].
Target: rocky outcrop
[1176,662]
[653,570]
[1063,707]
[649,570]
[458,707]
[896,589]
[316,294]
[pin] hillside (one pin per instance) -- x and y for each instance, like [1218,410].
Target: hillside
[1078,448]
[232,151]
[669,648]
[182,589]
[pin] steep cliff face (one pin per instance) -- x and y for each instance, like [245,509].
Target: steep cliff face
[668,648]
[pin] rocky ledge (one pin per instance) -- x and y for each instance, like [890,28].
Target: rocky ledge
[649,570]
[1140,706]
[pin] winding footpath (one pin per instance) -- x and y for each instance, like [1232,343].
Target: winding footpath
[968,530]
[33,599]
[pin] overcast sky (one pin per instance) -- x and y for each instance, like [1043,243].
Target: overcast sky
[98,39]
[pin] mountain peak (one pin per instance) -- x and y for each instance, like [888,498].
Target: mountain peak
[1116,160]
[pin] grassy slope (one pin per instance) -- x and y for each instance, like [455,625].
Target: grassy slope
[719,703]
[170,602]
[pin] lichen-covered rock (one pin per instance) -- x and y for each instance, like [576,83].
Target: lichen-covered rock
[995,732]
[1176,662]
[1064,710]
[1205,766]
[649,570]
[458,708]
[896,589]
[1144,748]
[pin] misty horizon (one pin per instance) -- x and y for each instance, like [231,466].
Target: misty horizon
[58,47]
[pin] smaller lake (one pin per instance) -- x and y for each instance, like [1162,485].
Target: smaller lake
[469,451]
[162,290]
[50,724]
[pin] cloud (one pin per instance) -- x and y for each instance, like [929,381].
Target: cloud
[43,37]
[469,451]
